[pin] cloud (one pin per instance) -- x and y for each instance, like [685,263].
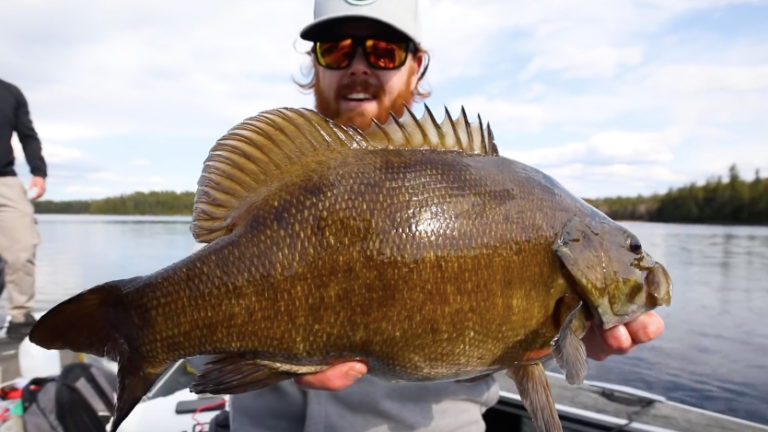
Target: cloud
[594,62]
[69,131]
[587,39]
[85,191]
[521,115]
[590,181]
[137,66]
[681,79]
[55,153]
[636,93]
[610,148]
[105,176]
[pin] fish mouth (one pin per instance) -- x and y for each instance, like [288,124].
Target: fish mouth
[656,290]
[658,286]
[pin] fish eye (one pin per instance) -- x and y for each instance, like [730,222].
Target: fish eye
[634,245]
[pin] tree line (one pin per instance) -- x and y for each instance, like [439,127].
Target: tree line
[732,200]
[137,203]
[728,201]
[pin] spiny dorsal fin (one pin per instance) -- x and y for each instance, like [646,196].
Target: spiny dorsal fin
[410,132]
[258,150]
[252,154]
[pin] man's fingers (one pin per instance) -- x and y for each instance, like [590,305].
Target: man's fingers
[337,377]
[622,338]
[645,328]
[38,183]
[618,340]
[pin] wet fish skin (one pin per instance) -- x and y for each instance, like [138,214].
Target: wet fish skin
[426,263]
[352,267]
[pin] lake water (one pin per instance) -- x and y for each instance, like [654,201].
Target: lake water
[712,355]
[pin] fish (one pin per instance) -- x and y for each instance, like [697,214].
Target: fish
[414,247]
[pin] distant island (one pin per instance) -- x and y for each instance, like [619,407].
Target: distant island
[725,201]
[166,203]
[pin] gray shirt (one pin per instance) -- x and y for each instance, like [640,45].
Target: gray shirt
[369,405]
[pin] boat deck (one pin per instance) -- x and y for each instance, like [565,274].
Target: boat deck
[609,407]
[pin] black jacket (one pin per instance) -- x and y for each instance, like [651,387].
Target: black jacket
[14,116]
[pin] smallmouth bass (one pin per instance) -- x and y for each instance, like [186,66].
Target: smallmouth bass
[413,246]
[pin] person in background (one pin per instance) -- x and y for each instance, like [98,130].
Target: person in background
[2,275]
[368,62]
[18,234]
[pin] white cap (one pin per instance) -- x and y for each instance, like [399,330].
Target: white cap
[400,15]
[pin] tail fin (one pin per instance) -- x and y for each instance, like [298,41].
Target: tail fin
[94,322]
[97,321]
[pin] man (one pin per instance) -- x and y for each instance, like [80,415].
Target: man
[368,63]
[18,235]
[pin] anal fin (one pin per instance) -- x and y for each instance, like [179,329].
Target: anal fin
[531,382]
[237,373]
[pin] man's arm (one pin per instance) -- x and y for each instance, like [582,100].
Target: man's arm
[30,143]
[600,344]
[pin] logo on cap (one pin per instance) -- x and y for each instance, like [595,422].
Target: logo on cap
[359,2]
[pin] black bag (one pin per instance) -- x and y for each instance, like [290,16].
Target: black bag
[80,399]
[220,422]
[38,399]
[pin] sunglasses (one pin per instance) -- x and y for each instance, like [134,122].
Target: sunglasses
[379,54]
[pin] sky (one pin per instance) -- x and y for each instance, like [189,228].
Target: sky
[609,97]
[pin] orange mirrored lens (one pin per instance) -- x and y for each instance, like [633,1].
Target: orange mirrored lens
[385,55]
[378,53]
[335,55]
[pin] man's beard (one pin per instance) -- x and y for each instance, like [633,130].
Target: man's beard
[328,105]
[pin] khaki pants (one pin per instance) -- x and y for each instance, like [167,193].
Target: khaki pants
[18,239]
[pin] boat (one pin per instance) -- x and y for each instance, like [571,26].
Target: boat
[169,406]
[598,406]
[592,406]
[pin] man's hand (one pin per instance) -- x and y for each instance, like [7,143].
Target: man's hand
[38,183]
[337,377]
[624,337]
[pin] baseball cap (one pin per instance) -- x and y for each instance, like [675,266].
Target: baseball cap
[381,15]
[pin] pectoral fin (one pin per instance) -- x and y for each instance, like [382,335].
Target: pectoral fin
[534,391]
[232,374]
[568,349]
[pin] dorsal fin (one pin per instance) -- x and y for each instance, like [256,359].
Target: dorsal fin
[452,134]
[259,149]
[253,153]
